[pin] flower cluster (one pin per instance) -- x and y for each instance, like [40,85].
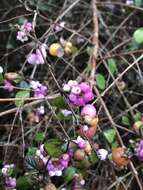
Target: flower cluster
[139,150]
[38,88]
[39,55]
[8,85]
[10,182]
[24,30]
[54,166]
[80,142]
[78,93]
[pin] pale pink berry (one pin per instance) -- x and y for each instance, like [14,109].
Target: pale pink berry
[76,90]
[89,110]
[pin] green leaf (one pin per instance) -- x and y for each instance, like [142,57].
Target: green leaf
[39,137]
[53,147]
[138,35]
[112,65]
[125,120]
[137,116]
[114,145]
[31,151]
[69,173]
[110,135]
[89,50]
[138,2]
[21,94]
[74,50]
[23,182]
[59,102]
[1,78]
[100,81]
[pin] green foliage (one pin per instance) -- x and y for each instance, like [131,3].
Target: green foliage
[23,182]
[21,94]
[69,172]
[137,116]
[125,120]
[138,35]
[110,135]
[112,66]
[39,137]
[100,81]
[59,102]
[31,150]
[1,78]
[89,50]
[53,147]
[138,2]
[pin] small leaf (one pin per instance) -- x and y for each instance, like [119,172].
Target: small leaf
[69,173]
[22,182]
[53,147]
[138,35]
[100,81]
[21,94]
[137,116]
[138,2]
[39,137]
[1,78]
[125,120]
[89,50]
[110,135]
[59,102]
[31,151]
[112,65]
[74,50]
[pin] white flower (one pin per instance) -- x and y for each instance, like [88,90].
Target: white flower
[102,154]
[38,153]
[1,69]
[82,182]
[66,88]
[4,171]
[66,112]
[41,110]
[72,83]
[85,128]
[58,172]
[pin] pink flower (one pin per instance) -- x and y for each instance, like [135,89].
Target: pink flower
[38,57]
[89,110]
[22,34]
[8,86]
[39,89]
[80,142]
[10,182]
[79,93]
[76,90]
[27,26]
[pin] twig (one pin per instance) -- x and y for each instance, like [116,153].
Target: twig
[95,42]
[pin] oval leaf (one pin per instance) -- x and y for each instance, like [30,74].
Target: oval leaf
[100,81]
[21,94]
[138,35]
[110,135]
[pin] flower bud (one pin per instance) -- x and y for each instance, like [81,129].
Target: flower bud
[88,110]
[137,125]
[88,148]
[119,157]
[11,76]
[56,50]
[79,154]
